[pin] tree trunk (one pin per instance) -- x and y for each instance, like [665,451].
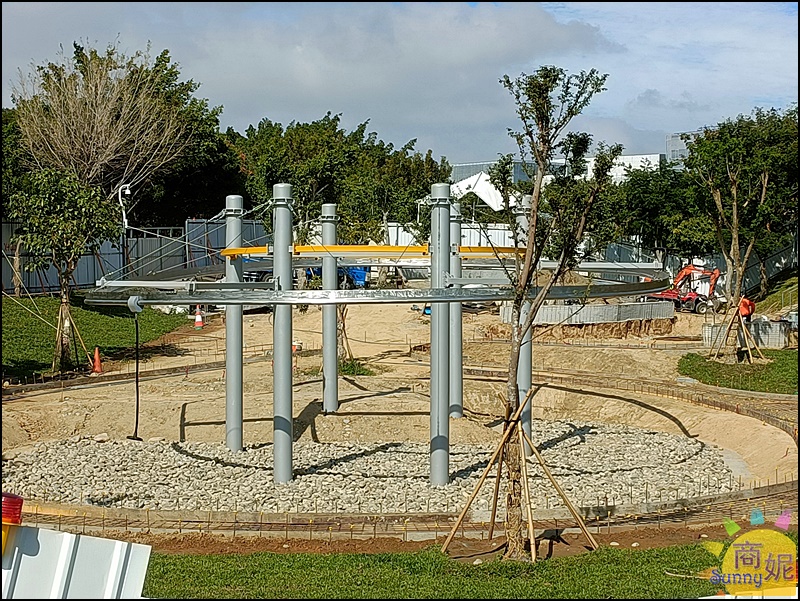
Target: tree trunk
[383,271]
[17,273]
[515,525]
[343,351]
[764,280]
[66,330]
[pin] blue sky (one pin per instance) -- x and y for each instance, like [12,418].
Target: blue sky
[431,71]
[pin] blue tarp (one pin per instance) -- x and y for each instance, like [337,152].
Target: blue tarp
[359,275]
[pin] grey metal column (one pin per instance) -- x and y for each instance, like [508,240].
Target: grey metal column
[525,367]
[456,346]
[234,417]
[440,336]
[330,281]
[282,335]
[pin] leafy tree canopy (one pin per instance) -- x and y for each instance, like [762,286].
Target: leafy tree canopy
[62,218]
[744,172]
[110,119]
[657,207]
[370,181]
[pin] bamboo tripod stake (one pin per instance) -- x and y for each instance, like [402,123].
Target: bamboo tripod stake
[514,421]
[526,490]
[749,341]
[494,496]
[562,494]
[749,336]
[64,314]
[717,348]
[497,482]
[485,473]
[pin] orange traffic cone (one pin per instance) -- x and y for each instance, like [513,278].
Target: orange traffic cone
[97,367]
[198,319]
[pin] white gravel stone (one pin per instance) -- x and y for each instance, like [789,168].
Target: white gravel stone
[595,464]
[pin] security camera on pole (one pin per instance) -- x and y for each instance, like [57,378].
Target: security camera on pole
[126,190]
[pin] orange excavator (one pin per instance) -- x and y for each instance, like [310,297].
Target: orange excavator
[686,297]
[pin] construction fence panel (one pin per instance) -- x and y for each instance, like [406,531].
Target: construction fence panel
[472,234]
[595,313]
[767,334]
[151,255]
[205,238]
[492,234]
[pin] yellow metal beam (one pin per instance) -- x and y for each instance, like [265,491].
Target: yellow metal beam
[489,251]
[248,251]
[361,250]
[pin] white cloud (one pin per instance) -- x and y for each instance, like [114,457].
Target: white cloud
[431,71]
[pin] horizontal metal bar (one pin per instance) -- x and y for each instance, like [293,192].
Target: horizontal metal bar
[361,250]
[451,281]
[187,285]
[652,270]
[149,296]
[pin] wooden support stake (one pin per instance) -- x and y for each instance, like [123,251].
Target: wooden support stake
[495,494]
[497,451]
[526,491]
[716,347]
[563,495]
[497,483]
[749,336]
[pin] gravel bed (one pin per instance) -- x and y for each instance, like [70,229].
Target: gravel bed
[595,464]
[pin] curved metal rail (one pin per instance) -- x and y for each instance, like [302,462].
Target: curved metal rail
[190,293]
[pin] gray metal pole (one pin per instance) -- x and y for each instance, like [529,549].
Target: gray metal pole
[330,368]
[440,336]
[456,346]
[234,417]
[525,367]
[282,335]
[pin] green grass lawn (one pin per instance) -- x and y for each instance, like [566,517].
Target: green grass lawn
[782,296]
[29,332]
[779,375]
[430,574]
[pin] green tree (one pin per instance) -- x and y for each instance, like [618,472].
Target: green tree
[567,218]
[312,157]
[658,210]
[195,185]
[745,170]
[14,180]
[63,219]
[14,158]
[111,119]
[391,185]
[369,180]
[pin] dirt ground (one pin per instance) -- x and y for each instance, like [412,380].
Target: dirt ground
[461,549]
[190,405]
[392,405]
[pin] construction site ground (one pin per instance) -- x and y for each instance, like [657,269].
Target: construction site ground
[182,398]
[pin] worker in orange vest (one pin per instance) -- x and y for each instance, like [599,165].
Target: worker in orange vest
[746,309]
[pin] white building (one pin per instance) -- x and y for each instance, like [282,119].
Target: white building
[676,146]
[630,161]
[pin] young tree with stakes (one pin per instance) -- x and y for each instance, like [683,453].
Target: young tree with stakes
[568,219]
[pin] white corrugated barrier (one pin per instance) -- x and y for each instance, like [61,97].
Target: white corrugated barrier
[46,564]
[596,313]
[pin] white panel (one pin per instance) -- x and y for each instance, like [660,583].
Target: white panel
[45,564]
